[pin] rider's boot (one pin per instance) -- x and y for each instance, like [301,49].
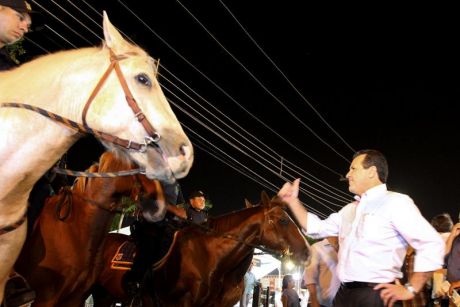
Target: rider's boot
[17,291]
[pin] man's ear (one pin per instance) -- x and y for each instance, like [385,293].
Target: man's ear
[373,172]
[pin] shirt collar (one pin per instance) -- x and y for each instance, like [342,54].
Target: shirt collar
[372,193]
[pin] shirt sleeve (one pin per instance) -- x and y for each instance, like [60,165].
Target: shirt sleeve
[419,234]
[317,228]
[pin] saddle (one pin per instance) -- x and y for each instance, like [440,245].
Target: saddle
[124,256]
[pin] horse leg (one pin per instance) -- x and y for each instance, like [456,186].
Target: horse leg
[10,246]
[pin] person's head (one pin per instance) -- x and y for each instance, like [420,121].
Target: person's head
[288,282]
[368,169]
[442,222]
[197,200]
[15,20]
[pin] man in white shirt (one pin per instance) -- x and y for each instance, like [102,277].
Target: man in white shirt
[320,275]
[374,232]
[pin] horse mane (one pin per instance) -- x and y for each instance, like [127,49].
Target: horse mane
[79,184]
[109,161]
[227,221]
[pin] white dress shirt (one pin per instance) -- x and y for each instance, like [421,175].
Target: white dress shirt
[374,234]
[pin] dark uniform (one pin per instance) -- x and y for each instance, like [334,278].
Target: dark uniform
[195,216]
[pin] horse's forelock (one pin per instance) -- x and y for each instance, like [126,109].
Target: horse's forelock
[112,161]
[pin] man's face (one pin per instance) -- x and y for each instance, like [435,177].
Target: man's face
[359,178]
[198,202]
[13,25]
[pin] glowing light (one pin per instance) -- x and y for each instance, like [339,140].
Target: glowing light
[289,265]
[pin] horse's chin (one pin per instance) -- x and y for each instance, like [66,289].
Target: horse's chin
[166,169]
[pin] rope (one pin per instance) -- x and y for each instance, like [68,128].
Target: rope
[74,125]
[98,175]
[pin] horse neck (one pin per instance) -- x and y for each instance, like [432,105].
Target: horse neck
[68,77]
[245,225]
[86,222]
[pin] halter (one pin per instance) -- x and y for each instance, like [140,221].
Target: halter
[152,138]
[267,222]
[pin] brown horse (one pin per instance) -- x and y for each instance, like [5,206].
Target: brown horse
[206,265]
[61,257]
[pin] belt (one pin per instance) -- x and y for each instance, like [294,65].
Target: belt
[360,284]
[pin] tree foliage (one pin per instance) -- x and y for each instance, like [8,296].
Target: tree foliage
[16,50]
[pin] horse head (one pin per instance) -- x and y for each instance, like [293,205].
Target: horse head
[107,192]
[280,232]
[167,153]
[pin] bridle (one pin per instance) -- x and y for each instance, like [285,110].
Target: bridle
[268,222]
[152,137]
[67,200]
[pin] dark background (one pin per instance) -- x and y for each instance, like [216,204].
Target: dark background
[384,77]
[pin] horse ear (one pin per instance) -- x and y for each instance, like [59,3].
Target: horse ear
[264,198]
[112,37]
[248,203]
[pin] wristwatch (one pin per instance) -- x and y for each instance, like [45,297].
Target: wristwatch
[411,289]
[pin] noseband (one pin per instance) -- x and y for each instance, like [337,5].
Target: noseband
[266,223]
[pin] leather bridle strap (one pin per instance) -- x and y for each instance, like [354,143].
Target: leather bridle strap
[14,226]
[153,135]
[133,104]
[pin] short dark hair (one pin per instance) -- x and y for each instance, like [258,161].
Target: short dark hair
[442,222]
[286,280]
[375,158]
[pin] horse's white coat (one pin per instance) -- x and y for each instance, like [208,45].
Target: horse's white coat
[61,83]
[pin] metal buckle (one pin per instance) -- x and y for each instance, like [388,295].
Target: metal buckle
[155,138]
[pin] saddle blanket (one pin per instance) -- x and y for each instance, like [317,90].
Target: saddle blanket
[123,258]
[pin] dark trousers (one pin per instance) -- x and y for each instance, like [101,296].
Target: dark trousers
[360,296]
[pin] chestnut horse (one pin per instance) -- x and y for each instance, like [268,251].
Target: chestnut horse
[62,255]
[45,104]
[206,265]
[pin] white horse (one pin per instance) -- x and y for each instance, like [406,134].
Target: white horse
[100,89]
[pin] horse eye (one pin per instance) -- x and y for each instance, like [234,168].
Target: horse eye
[144,80]
[284,222]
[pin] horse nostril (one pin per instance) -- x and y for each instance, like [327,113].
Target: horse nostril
[185,150]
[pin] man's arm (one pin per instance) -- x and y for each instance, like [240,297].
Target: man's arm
[453,234]
[289,193]
[178,211]
[313,295]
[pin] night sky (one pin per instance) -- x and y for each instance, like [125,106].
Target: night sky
[382,77]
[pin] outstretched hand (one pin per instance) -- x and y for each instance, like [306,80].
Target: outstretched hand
[290,191]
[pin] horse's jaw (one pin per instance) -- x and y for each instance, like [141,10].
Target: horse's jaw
[161,166]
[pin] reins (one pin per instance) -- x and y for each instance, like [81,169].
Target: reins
[247,242]
[64,171]
[152,138]
[66,199]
